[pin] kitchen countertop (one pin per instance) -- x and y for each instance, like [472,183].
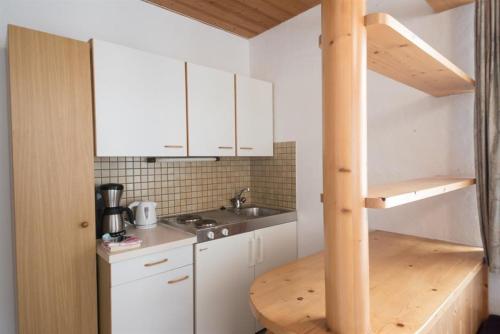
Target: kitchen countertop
[156,239]
[232,222]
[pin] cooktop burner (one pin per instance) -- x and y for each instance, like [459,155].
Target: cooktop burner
[187,219]
[204,223]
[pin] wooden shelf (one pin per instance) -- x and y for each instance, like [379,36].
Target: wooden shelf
[442,5]
[397,53]
[399,193]
[417,285]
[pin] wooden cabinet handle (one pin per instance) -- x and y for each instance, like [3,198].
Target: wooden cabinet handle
[225,147]
[246,148]
[155,263]
[178,280]
[84,224]
[173,146]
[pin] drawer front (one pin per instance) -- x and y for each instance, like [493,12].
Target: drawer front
[149,265]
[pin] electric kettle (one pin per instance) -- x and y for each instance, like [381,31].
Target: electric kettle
[144,213]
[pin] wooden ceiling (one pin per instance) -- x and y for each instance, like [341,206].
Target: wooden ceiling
[246,18]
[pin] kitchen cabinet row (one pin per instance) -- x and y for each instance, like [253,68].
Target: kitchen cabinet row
[151,105]
[171,293]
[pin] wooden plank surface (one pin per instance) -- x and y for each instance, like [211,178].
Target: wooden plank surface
[442,5]
[53,182]
[397,53]
[246,18]
[399,193]
[465,310]
[413,284]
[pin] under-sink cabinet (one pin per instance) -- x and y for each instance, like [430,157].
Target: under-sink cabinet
[224,270]
[140,102]
[149,294]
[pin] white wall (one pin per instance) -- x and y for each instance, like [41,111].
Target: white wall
[133,23]
[129,22]
[288,55]
[410,134]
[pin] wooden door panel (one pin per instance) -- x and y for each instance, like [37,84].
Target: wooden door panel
[52,156]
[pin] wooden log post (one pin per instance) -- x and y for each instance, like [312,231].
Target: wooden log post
[344,166]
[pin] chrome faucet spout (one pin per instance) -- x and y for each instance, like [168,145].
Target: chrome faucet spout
[242,191]
[238,200]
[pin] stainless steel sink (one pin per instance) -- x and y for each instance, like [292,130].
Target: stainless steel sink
[256,212]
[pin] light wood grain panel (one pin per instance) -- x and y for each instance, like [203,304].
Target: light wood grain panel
[344,166]
[442,5]
[465,310]
[263,6]
[397,53]
[417,285]
[219,10]
[104,270]
[53,181]
[399,193]
[246,18]
[194,13]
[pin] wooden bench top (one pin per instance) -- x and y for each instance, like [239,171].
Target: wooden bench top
[411,280]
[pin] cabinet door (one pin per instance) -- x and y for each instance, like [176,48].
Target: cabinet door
[254,117]
[210,111]
[140,102]
[224,272]
[275,246]
[158,304]
[53,180]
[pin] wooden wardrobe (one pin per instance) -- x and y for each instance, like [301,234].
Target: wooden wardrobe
[53,182]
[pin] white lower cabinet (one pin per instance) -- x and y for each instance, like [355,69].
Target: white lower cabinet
[223,275]
[154,296]
[224,271]
[277,246]
[159,304]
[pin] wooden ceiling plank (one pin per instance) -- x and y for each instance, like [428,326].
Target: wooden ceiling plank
[442,5]
[213,9]
[265,7]
[310,3]
[193,13]
[246,18]
[244,10]
[293,7]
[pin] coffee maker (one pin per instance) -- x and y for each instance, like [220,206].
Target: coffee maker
[109,212]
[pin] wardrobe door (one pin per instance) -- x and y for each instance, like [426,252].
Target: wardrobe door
[53,182]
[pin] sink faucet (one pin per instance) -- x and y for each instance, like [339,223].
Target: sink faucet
[238,200]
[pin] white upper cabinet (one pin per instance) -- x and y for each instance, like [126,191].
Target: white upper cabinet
[211,114]
[140,102]
[254,117]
